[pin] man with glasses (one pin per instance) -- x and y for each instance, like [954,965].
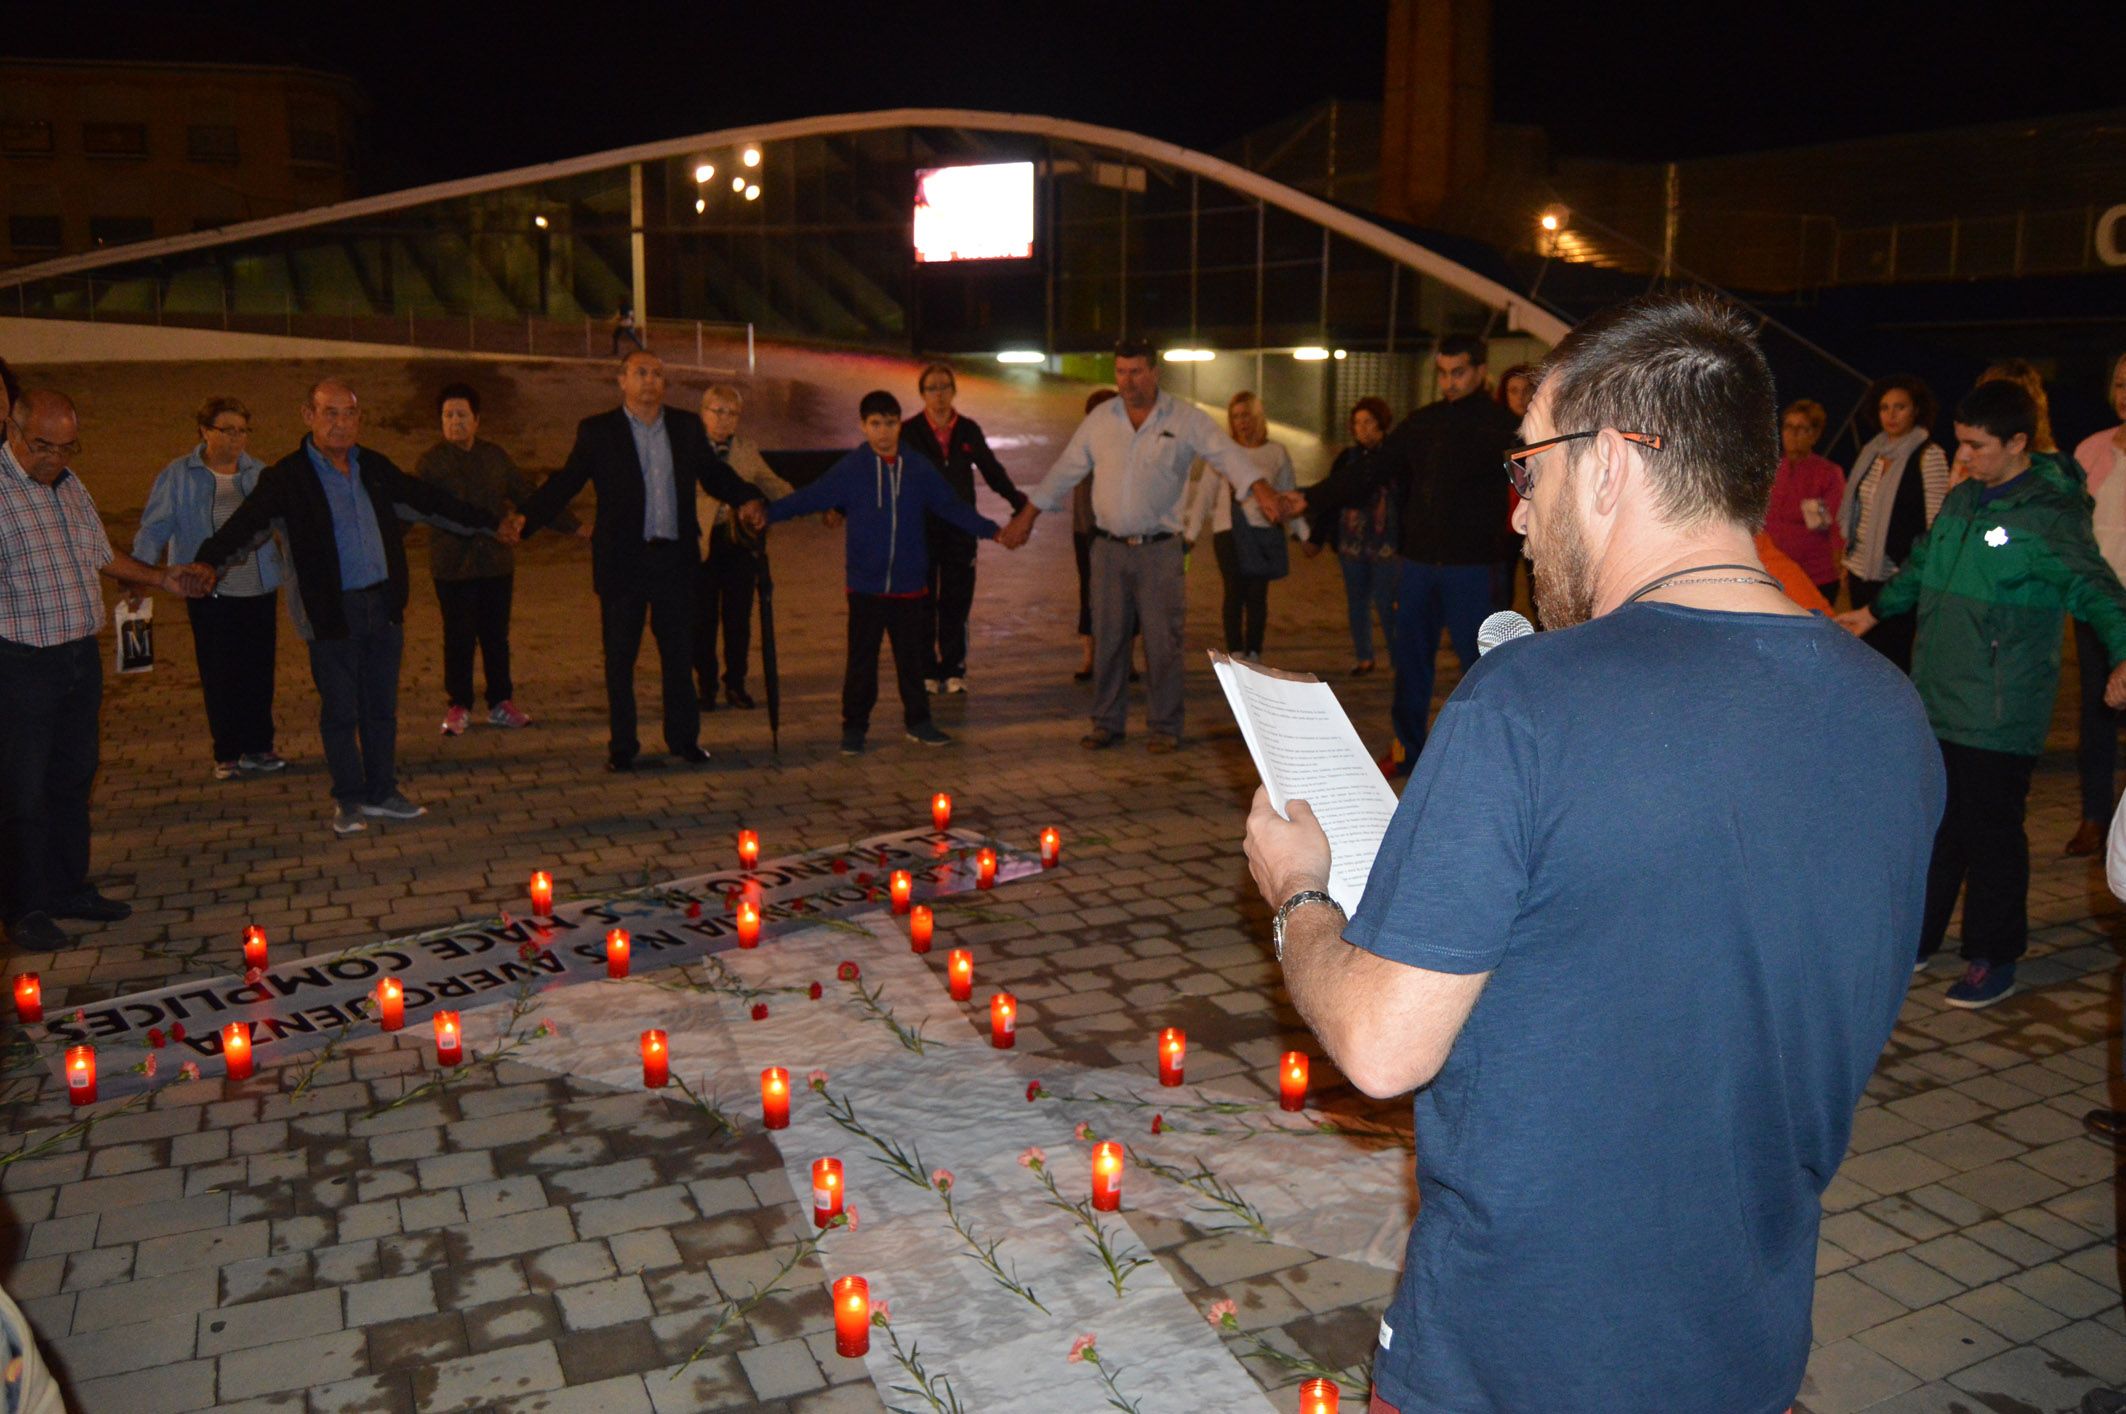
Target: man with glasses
[52,548]
[731,558]
[1638,1006]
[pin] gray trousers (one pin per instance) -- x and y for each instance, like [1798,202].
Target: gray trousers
[1138,588]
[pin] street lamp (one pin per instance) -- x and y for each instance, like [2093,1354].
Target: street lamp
[752,191]
[704,172]
[751,157]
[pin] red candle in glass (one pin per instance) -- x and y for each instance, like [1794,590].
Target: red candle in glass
[1107,1175]
[775,1098]
[29,996]
[748,925]
[254,946]
[1319,1397]
[852,1317]
[941,810]
[236,1049]
[81,1075]
[1292,1081]
[656,1060]
[920,926]
[748,848]
[619,947]
[959,974]
[1173,1049]
[450,1041]
[1003,1021]
[391,1004]
[985,867]
[542,894]
[1051,847]
[826,1191]
[903,887]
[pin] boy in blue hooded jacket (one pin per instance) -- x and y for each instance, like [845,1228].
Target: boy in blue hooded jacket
[888,496]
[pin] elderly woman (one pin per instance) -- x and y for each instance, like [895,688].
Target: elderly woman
[1802,517]
[233,630]
[1353,510]
[2101,458]
[1891,498]
[1247,588]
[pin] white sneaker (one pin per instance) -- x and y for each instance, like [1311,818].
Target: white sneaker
[395,807]
[455,721]
[931,686]
[956,685]
[347,820]
[226,770]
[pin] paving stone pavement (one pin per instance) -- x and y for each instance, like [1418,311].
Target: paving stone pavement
[528,1241]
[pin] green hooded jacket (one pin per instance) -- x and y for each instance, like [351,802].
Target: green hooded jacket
[1991,581]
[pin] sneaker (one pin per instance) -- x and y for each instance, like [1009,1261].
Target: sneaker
[852,743]
[1983,984]
[927,734]
[347,820]
[506,714]
[932,686]
[396,807]
[455,721]
[227,770]
[956,686]
[36,932]
[262,761]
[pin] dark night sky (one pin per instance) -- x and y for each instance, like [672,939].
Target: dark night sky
[467,89]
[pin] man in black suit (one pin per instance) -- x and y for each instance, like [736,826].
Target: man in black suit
[644,459]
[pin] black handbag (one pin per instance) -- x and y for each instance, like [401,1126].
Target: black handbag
[1259,552]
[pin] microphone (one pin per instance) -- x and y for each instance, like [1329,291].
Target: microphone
[1502,627]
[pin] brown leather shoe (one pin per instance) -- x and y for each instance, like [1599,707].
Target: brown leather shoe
[2106,1126]
[2088,840]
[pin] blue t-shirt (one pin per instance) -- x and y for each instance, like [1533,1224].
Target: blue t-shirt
[1690,849]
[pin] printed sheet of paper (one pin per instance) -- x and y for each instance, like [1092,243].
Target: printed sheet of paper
[1306,749]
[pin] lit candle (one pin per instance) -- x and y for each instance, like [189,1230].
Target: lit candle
[985,867]
[1107,1175]
[775,1098]
[852,1317]
[941,810]
[748,925]
[920,926]
[1319,1397]
[542,894]
[903,886]
[826,1191]
[748,848]
[656,1060]
[391,1004]
[81,1075]
[619,946]
[236,1049]
[1173,1049]
[959,974]
[450,1041]
[1051,848]
[254,946]
[1003,1021]
[29,995]
[1292,1081]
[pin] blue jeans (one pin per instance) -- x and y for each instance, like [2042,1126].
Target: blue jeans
[358,699]
[1369,589]
[1430,598]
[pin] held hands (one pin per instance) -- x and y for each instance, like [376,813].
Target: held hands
[1018,529]
[832,518]
[194,581]
[511,530]
[584,531]
[753,515]
[2115,688]
[1310,548]
[1285,856]
[1856,621]
[1294,503]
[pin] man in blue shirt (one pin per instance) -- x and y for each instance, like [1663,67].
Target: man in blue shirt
[1639,998]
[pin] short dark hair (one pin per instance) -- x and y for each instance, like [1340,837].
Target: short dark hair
[1136,348]
[1688,368]
[470,394]
[2004,409]
[878,403]
[1098,396]
[211,410]
[1455,345]
[1924,408]
[1378,407]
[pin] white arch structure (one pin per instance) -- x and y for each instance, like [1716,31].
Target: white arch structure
[1521,313]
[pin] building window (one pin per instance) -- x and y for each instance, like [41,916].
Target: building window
[115,139]
[314,145]
[210,142]
[34,232]
[26,139]
[120,230]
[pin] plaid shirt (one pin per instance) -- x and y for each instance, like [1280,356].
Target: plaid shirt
[52,543]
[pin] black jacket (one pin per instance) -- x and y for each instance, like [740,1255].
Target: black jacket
[1449,461]
[604,455]
[288,492]
[968,454]
[1354,477]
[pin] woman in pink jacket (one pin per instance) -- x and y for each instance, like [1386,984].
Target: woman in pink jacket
[1802,518]
[2102,457]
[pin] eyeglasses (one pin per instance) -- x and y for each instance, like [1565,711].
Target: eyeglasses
[1517,458]
[938,387]
[228,431]
[40,448]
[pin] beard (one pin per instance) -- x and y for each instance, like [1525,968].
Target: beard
[1564,572]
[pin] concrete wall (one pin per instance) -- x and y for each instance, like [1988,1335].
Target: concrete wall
[28,341]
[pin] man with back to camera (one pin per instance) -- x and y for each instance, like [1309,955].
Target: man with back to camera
[1142,444]
[1640,1005]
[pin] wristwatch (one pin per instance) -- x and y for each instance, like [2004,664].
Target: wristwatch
[1304,896]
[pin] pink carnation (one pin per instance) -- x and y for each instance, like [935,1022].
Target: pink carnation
[1223,1313]
[849,1212]
[1083,1131]
[817,1080]
[941,1180]
[188,1071]
[1082,1349]
[147,1067]
[881,1312]
[1032,1157]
